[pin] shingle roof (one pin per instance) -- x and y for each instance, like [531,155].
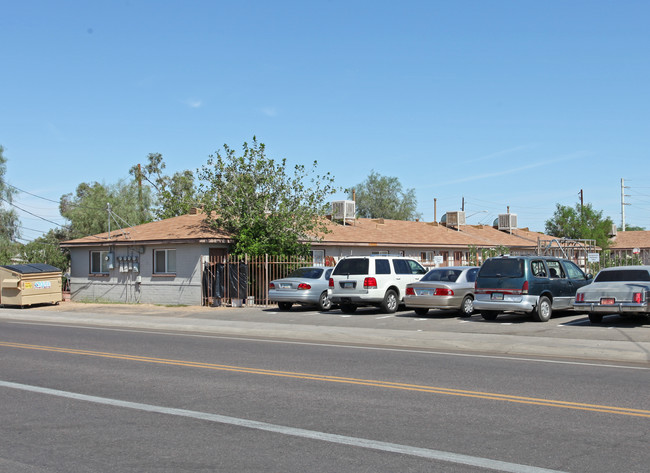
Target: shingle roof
[190,227]
[630,240]
[363,231]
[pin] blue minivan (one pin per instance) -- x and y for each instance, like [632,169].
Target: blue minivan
[536,285]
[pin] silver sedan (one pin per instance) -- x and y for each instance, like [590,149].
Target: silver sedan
[443,288]
[305,286]
[617,290]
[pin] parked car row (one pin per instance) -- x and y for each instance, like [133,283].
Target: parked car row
[534,285]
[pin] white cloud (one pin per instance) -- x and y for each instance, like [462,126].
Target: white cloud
[504,152]
[193,103]
[269,112]
[576,155]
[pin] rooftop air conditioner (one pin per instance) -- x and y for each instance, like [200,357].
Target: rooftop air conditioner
[456,218]
[507,221]
[614,230]
[343,209]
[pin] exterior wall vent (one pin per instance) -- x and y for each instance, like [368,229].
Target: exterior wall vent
[343,210]
[507,221]
[454,219]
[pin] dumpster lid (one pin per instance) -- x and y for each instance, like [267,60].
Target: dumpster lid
[32,268]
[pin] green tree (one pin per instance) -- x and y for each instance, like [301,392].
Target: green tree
[9,222]
[382,197]
[87,209]
[175,195]
[580,223]
[266,209]
[631,228]
[47,249]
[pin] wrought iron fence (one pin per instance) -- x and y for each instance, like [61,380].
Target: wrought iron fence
[238,280]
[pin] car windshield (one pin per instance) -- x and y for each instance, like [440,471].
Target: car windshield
[502,268]
[352,266]
[621,275]
[441,275]
[306,273]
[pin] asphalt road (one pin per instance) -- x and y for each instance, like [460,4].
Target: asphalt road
[89,389]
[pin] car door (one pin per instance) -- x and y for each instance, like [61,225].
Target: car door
[576,277]
[561,287]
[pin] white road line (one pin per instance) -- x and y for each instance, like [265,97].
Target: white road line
[295,432]
[353,347]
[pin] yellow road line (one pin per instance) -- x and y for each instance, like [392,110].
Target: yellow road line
[344,380]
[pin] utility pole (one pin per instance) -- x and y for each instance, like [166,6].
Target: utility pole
[141,207]
[582,202]
[462,207]
[108,208]
[623,203]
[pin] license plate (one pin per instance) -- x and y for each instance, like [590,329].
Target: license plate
[285,286]
[424,292]
[607,301]
[347,285]
[497,296]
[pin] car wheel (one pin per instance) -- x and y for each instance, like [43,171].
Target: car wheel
[284,305]
[467,306]
[595,318]
[543,311]
[348,308]
[489,314]
[324,302]
[389,304]
[421,311]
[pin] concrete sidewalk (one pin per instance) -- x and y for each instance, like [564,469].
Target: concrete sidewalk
[223,321]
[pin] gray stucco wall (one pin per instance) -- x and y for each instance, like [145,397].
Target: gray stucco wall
[139,287]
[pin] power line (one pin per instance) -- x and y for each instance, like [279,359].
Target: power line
[33,214]
[33,195]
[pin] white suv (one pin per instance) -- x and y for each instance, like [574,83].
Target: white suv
[378,281]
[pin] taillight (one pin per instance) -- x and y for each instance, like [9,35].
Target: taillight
[580,297]
[441,291]
[304,286]
[410,291]
[370,283]
[638,297]
[524,288]
[271,285]
[331,282]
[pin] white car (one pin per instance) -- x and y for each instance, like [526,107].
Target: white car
[305,286]
[619,290]
[376,280]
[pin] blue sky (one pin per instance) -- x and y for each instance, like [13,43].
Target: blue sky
[502,103]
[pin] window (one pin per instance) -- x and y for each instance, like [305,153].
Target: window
[416,268]
[164,261]
[307,273]
[318,257]
[380,252]
[401,266]
[471,275]
[502,268]
[352,266]
[382,266]
[631,275]
[573,271]
[554,269]
[538,268]
[98,262]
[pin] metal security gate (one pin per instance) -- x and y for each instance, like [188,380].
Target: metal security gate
[244,280]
